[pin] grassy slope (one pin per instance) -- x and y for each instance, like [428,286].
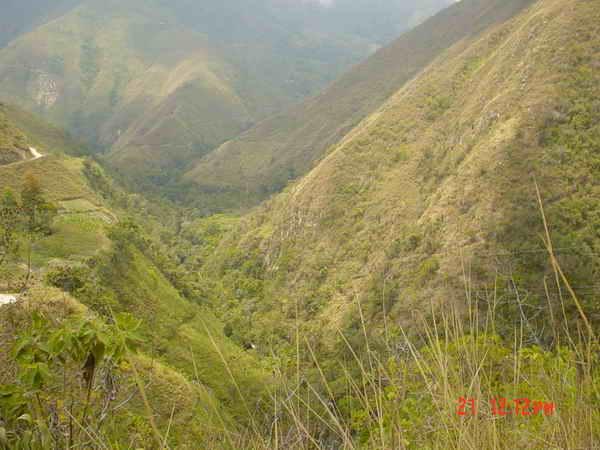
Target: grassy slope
[12,141]
[179,357]
[119,79]
[162,83]
[263,159]
[181,405]
[178,332]
[439,180]
[79,227]
[41,134]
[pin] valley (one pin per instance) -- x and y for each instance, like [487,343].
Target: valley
[298,225]
[156,85]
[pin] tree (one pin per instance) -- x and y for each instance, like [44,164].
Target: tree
[9,221]
[37,210]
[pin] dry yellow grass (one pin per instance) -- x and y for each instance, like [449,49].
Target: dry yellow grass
[443,159]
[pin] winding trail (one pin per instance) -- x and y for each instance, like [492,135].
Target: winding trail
[35,154]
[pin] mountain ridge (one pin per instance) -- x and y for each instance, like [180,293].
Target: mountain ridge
[442,251]
[157,84]
[264,158]
[439,177]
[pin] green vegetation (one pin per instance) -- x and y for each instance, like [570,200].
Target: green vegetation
[10,136]
[38,213]
[12,141]
[405,237]
[398,233]
[29,218]
[9,220]
[440,259]
[48,361]
[40,134]
[88,62]
[160,84]
[59,207]
[53,392]
[264,159]
[76,378]
[73,237]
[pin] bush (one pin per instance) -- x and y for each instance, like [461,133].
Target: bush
[69,278]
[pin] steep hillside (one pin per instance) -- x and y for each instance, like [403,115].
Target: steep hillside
[60,175]
[435,193]
[82,213]
[77,266]
[38,133]
[13,146]
[127,65]
[162,83]
[262,160]
[429,284]
[408,274]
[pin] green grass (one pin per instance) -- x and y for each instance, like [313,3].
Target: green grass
[41,135]
[186,336]
[60,177]
[79,205]
[196,380]
[401,390]
[10,136]
[186,413]
[74,237]
[78,231]
[380,289]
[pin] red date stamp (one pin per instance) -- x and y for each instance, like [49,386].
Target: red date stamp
[518,407]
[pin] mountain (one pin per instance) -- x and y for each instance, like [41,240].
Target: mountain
[161,83]
[444,249]
[428,281]
[435,186]
[93,266]
[263,159]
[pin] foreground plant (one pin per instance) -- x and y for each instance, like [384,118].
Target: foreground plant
[67,381]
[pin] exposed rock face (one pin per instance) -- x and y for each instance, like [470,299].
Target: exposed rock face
[46,93]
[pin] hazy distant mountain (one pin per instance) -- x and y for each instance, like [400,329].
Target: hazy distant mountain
[263,159]
[162,82]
